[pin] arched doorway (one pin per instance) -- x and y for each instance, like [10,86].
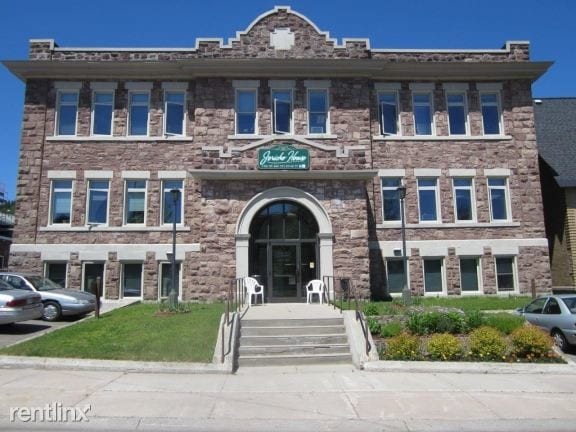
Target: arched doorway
[284,249]
[284,194]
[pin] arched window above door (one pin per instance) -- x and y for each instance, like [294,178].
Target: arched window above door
[284,220]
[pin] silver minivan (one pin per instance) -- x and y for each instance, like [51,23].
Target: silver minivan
[57,301]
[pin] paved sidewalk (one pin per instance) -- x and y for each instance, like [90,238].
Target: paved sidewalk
[311,398]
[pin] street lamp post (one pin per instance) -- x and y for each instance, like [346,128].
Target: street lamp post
[173,295]
[405,288]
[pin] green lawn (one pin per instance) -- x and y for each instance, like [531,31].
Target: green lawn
[134,333]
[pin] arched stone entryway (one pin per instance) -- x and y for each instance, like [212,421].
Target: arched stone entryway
[284,195]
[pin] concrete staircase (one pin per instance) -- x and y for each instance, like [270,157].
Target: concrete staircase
[293,334]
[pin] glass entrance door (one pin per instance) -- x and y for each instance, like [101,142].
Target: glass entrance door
[91,272]
[285,271]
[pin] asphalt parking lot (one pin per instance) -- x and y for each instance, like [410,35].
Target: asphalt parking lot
[17,332]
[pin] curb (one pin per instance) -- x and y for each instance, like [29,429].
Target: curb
[21,362]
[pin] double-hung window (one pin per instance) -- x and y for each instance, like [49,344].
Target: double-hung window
[282,106]
[132,280]
[135,202]
[67,106]
[505,273]
[391,199]
[98,197]
[246,106]
[56,272]
[457,107]
[469,274]
[138,107]
[428,200]
[174,107]
[490,107]
[102,107]
[499,198]
[387,94]
[318,106]
[172,210]
[422,108]
[61,202]
[395,276]
[464,202]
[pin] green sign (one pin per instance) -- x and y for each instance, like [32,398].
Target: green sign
[283,157]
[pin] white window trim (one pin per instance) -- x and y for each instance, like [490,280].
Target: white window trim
[506,188]
[430,94]
[327,99]
[165,107]
[182,192]
[121,293]
[82,287]
[443,276]
[381,117]
[129,119]
[178,262]
[437,197]
[390,222]
[50,203]
[514,274]
[395,258]
[124,223]
[93,113]
[57,119]
[48,262]
[492,90]
[88,189]
[479,276]
[273,110]
[464,106]
[472,189]
[236,111]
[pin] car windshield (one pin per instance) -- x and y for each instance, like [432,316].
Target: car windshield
[571,303]
[42,283]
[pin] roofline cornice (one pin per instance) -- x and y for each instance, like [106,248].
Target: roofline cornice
[376,69]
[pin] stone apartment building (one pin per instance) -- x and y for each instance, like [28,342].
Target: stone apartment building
[286,149]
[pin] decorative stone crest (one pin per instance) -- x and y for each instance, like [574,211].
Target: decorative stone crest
[282,39]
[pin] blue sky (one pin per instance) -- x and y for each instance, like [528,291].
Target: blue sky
[548,25]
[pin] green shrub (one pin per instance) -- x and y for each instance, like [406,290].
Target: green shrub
[487,343]
[391,329]
[474,319]
[424,323]
[530,343]
[504,322]
[444,347]
[371,309]
[373,325]
[403,347]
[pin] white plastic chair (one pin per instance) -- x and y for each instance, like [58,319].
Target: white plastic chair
[315,286]
[253,288]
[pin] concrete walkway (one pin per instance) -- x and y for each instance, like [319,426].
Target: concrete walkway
[304,398]
[292,311]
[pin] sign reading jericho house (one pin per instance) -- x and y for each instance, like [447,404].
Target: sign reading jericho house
[283,157]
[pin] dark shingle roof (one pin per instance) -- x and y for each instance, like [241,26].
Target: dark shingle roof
[556,133]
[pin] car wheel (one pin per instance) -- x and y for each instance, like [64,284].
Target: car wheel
[560,340]
[51,312]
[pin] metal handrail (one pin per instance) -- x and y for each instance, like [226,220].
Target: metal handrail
[235,298]
[363,323]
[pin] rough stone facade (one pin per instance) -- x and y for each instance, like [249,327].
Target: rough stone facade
[360,244]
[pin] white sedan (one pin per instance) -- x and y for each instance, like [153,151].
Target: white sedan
[18,305]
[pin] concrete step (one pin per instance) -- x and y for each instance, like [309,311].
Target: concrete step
[301,349]
[291,360]
[324,339]
[292,322]
[291,330]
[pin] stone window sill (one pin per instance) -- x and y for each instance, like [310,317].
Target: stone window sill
[112,229]
[133,138]
[259,137]
[450,225]
[441,138]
